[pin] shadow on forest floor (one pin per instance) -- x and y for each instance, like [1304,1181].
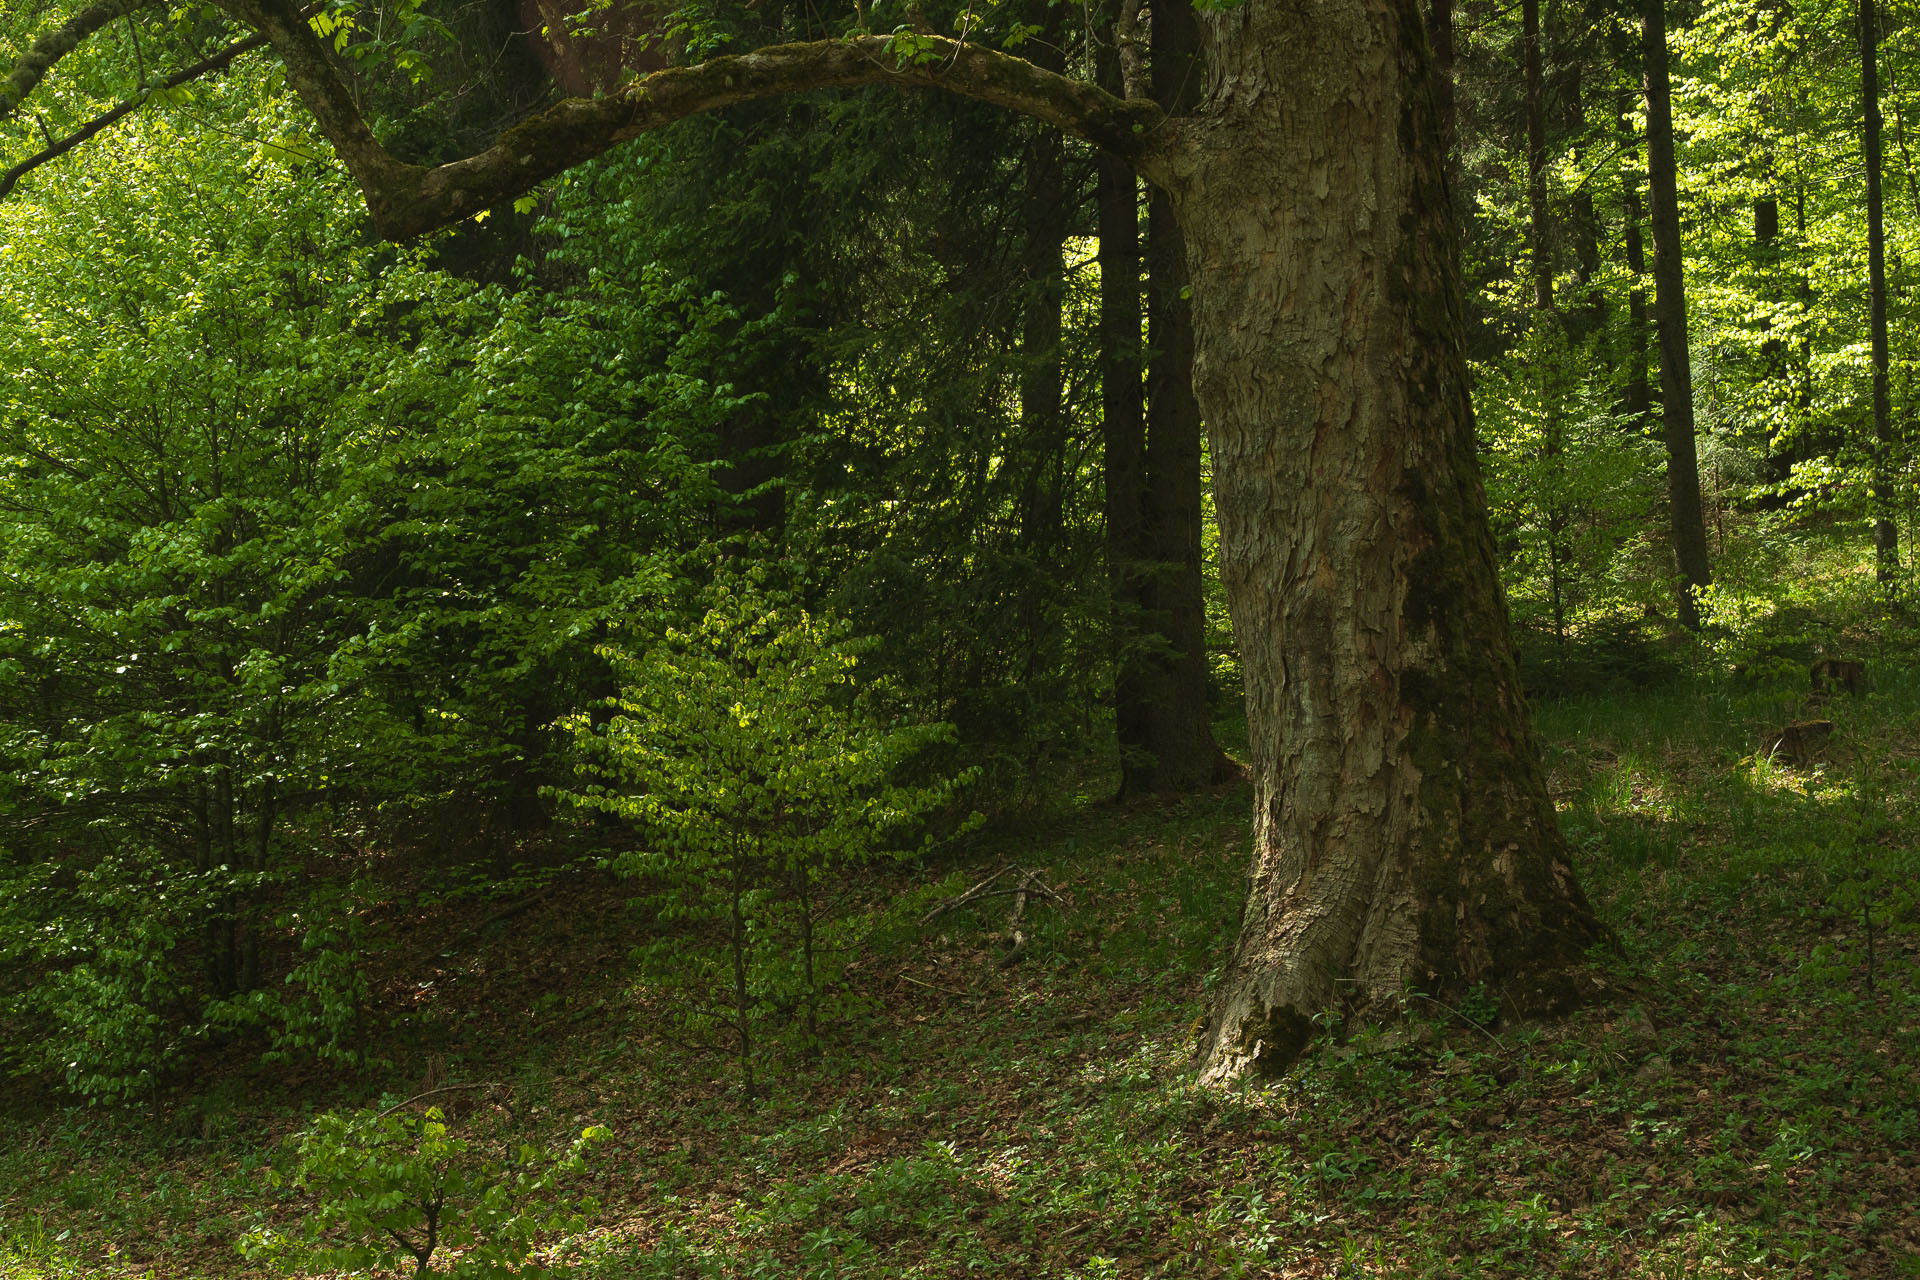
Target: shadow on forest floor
[1747,1108]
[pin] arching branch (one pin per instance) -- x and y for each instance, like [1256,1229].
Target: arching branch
[57,44]
[106,119]
[406,200]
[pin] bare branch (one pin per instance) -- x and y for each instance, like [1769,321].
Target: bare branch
[1132,50]
[54,150]
[406,200]
[445,1088]
[57,44]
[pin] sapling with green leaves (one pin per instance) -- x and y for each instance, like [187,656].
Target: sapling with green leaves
[393,1188]
[755,764]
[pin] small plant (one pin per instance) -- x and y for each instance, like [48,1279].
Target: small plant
[754,766]
[317,1012]
[394,1188]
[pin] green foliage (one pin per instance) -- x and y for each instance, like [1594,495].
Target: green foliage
[1568,480]
[393,1188]
[95,948]
[869,250]
[300,541]
[318,1011]
[754,767]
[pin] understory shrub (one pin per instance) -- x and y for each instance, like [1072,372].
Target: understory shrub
[755,767]
[393,1188]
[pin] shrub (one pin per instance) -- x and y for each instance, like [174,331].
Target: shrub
[753,765]
[394,1187]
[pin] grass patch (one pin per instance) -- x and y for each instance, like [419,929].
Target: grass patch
[1746,1108]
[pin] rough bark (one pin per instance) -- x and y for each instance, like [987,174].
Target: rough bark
[1886,537]
[1402,832]
[1440,41]
[1670,317]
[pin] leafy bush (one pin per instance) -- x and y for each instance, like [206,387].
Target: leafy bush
[317,1012]
[94,949]
[753,767]
[394,1187]
[302,539]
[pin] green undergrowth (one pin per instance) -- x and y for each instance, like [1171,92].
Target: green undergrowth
[1746,1107]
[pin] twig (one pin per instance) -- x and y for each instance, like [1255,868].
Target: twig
[1021,891]
[1464,1018]
[55,149]
[445,1088]
[929,986]
[963,898]
[1030,882]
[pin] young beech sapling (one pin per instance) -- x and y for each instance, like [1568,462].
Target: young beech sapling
[394,1188]
[754,764]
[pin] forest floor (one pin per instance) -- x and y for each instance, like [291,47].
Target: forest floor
[1749,1106]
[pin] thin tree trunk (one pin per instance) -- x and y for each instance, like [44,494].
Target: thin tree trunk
[262,854]
[749,447]
[803,895]
[1549,349]
[1178,730]
[1403,835]
[1638,400]
[1584,308]
[1886,536]
[1539,221]
[737,939]
[1123,430]
[1670,316]
[1043,418]
[227,965]
[218,935]
[1776,376]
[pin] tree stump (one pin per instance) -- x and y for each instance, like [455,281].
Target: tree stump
[1799,743]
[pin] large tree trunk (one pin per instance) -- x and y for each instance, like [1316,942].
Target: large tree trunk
[1670,318]
[1440,40]
[1179,728]
[1403,837]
